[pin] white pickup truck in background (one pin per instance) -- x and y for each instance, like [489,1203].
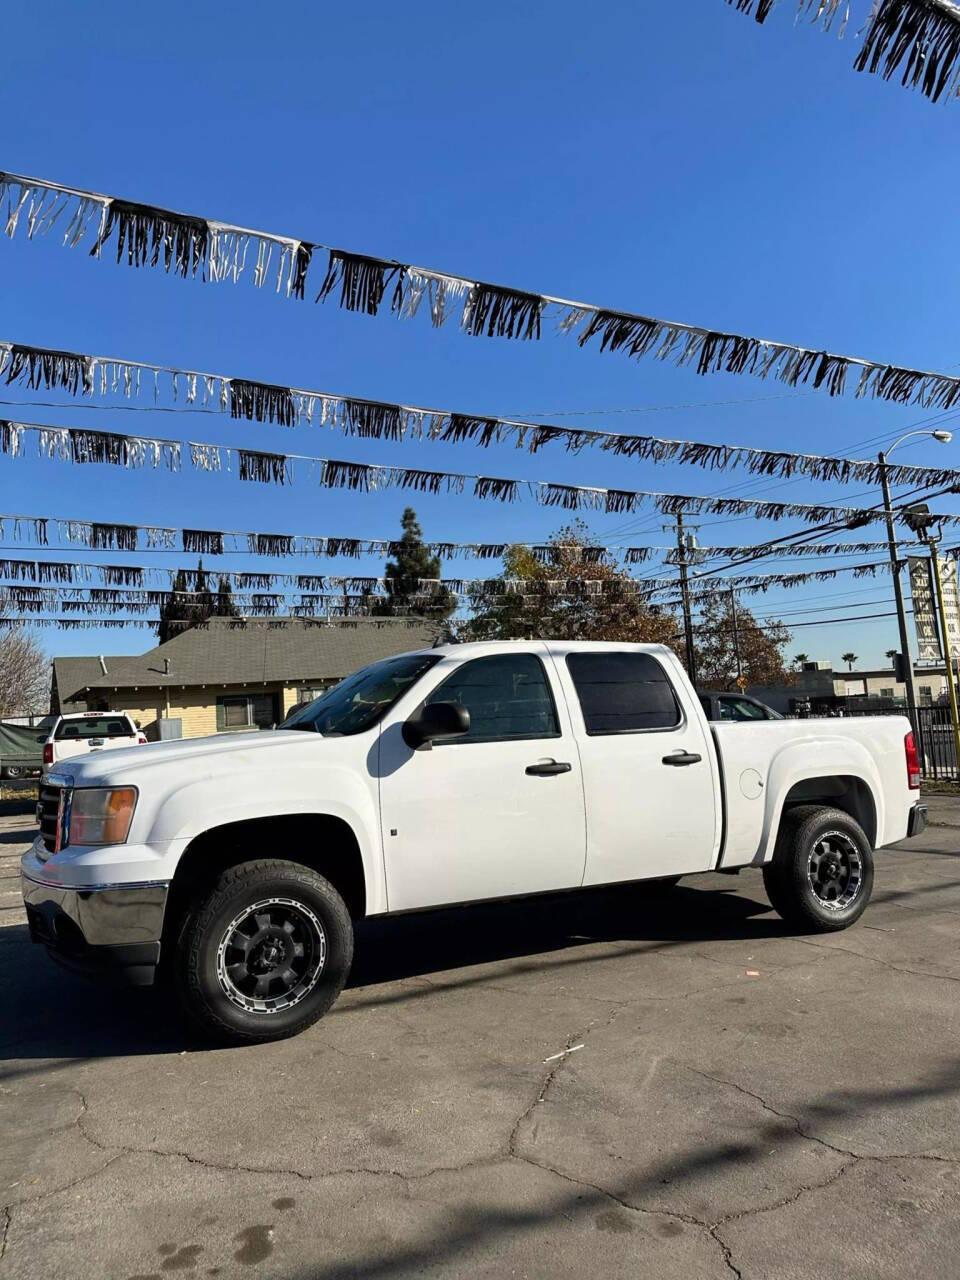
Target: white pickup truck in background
[449,775]
[80,732]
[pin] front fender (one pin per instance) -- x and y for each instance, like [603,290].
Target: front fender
[823,757]
[194,808]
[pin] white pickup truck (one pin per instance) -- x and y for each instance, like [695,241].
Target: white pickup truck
[81,733]
[450,775]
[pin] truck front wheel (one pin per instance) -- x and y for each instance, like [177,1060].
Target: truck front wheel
[264,953]
[821,875]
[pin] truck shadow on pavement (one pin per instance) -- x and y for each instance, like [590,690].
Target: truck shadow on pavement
[650,915]
[51,1013]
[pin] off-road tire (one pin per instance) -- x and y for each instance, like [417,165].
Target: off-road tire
[787,877]
[195,961]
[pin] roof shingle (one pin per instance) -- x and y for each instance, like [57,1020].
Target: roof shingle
[227,651]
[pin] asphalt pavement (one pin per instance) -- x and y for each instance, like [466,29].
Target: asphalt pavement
[619,1083]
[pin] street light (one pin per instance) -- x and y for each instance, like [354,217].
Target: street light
[942,437]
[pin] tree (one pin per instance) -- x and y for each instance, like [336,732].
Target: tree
[405,577]
[173,610]
[799,659]
[203,603]
[24,670]
[225,608]
[717,640]
[849,659]
[566,592]
[185,607]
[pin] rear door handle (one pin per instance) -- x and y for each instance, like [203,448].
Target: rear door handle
[682,757]
[548,768]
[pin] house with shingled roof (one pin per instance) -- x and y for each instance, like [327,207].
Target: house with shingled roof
[232,675]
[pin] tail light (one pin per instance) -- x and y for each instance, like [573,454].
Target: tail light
[48,753]
[913,761]
[141,739]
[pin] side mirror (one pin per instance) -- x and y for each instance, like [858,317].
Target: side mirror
[435,722]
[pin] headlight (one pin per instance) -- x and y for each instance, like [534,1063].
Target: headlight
[101,815]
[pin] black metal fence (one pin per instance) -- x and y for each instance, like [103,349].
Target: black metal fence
[936,743]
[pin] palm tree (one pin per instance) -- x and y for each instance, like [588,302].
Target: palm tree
[800,658]
[849,659]
[892,655]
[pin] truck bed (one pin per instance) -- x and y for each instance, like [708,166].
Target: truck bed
[861,759]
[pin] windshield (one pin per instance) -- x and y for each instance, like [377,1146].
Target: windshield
[359,701]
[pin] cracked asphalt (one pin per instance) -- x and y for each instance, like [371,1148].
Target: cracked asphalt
[619,1083]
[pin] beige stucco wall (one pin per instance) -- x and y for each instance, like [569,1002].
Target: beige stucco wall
[872,685]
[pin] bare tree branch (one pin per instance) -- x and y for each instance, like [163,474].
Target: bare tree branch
[24,670]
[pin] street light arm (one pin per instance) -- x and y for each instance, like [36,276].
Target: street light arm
[944,437]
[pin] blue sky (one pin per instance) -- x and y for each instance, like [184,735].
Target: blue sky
[673,159]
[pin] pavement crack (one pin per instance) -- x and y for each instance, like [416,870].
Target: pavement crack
[782,1115]
[852,1156]
[688,1218]
[548,1079]
[120,1150]
[862,955]
[725,1250]
[5,1224]
[755,1210]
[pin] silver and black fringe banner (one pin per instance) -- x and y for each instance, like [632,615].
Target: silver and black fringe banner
[920,36]
[78,445]
[357,596]
[186,245]
[79,374]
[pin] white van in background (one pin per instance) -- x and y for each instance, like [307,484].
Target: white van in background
[80,733]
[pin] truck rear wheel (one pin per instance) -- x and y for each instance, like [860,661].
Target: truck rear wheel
[264,953]
[821,875]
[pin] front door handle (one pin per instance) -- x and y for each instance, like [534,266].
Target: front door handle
[682,757]
[548,769]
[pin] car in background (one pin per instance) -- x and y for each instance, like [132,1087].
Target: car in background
[80,733]
[735,706]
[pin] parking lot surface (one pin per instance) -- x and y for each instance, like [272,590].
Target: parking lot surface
[620,1083]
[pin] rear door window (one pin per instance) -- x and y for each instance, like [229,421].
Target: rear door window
[623,692]
[95,727]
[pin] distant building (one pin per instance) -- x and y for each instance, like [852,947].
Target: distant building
[231,676]
[822,688]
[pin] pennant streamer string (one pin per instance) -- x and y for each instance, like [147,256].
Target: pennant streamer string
[922,36]
[187,245]
[37,367]
[80,446]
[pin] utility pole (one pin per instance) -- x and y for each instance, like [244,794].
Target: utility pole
[685,596]
[895,568]
[947,659]
[736,638]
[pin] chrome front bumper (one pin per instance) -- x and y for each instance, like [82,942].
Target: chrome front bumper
[107,928]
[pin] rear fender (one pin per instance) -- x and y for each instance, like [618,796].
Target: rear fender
[807,761]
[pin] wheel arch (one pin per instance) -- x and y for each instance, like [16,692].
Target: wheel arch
[848,792]
[323,842]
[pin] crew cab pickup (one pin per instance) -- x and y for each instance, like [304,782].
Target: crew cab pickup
[450,775]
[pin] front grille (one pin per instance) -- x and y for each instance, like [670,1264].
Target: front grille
[49,813]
